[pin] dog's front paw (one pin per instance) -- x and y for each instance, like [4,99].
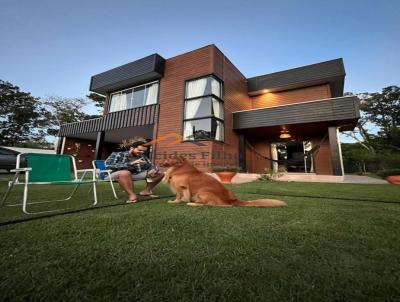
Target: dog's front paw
[195,204]
[175,201]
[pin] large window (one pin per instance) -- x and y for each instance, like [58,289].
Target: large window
[204,110]
[134,97]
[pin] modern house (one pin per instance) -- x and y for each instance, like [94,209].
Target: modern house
[198,104]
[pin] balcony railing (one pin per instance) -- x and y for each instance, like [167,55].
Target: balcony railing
[139,116]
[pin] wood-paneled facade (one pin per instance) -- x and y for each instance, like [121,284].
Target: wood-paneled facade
[253,115]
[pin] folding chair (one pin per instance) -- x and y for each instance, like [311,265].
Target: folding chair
[48,169]
[102,172]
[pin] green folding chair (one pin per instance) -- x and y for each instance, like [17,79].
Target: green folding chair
[49,169]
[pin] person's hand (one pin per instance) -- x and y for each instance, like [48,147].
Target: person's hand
[138,161]
[152,173]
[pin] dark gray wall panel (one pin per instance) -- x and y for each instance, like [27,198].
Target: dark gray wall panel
[131,74]
[335,109]
[331,72]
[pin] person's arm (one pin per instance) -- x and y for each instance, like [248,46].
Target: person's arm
[111,161]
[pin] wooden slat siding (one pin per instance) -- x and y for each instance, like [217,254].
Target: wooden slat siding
[318,111]
[121,119]
[322,159]
[90,126]
[144,115]
[140,112]
[109,123]
[140,119]
[144,112]
[178,69]
[148,114]
[270,99]
[151,115]
[254,162]
[127,119]
[135,117]
[235,98]
[116,120]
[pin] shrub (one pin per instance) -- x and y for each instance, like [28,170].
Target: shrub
[388,172]
[225,169]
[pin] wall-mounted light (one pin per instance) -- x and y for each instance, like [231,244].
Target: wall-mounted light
[285,134]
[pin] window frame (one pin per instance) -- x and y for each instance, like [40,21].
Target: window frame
[132,89]
[211,117]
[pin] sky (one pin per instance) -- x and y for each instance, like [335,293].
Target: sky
[53,47]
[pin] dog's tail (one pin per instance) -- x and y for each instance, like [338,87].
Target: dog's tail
[267,203]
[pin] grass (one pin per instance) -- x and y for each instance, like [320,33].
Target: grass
[334,242]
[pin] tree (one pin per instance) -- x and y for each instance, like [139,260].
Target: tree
[21,116]
[63,110]
[98,99]
[383,111]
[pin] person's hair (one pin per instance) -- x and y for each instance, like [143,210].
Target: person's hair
[136,144]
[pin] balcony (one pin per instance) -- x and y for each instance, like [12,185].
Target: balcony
[137,121]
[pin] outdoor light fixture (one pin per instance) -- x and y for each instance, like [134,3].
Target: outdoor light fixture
[285,134]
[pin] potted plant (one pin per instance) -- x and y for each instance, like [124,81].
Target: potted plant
[391,175]
[225,173]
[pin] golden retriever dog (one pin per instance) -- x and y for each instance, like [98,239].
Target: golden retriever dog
[200,189]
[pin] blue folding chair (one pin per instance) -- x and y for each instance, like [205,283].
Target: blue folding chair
[48,169]
[102,173]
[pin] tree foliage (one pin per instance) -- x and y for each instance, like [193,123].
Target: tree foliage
[98,99]
[379,150]
[382,110]
[61,110]
[22,116]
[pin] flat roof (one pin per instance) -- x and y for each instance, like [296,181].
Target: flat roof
[329,72]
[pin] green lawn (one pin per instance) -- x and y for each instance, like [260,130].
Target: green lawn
[333,242]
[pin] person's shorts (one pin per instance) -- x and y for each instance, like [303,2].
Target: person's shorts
[139,176]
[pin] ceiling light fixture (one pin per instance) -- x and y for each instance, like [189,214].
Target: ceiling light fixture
[285,134]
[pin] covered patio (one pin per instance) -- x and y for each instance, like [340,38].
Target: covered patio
[97,138]
[270,132]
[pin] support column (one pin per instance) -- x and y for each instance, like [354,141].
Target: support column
[64,139]
[99,145]
[336,151]
[242,152]
[58,144]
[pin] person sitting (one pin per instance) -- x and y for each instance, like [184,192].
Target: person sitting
[134,165]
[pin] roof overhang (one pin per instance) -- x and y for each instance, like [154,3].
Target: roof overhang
[330,72]
[342,111]
[138,72]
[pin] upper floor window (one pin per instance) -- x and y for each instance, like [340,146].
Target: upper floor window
[134,97]
[204,110]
